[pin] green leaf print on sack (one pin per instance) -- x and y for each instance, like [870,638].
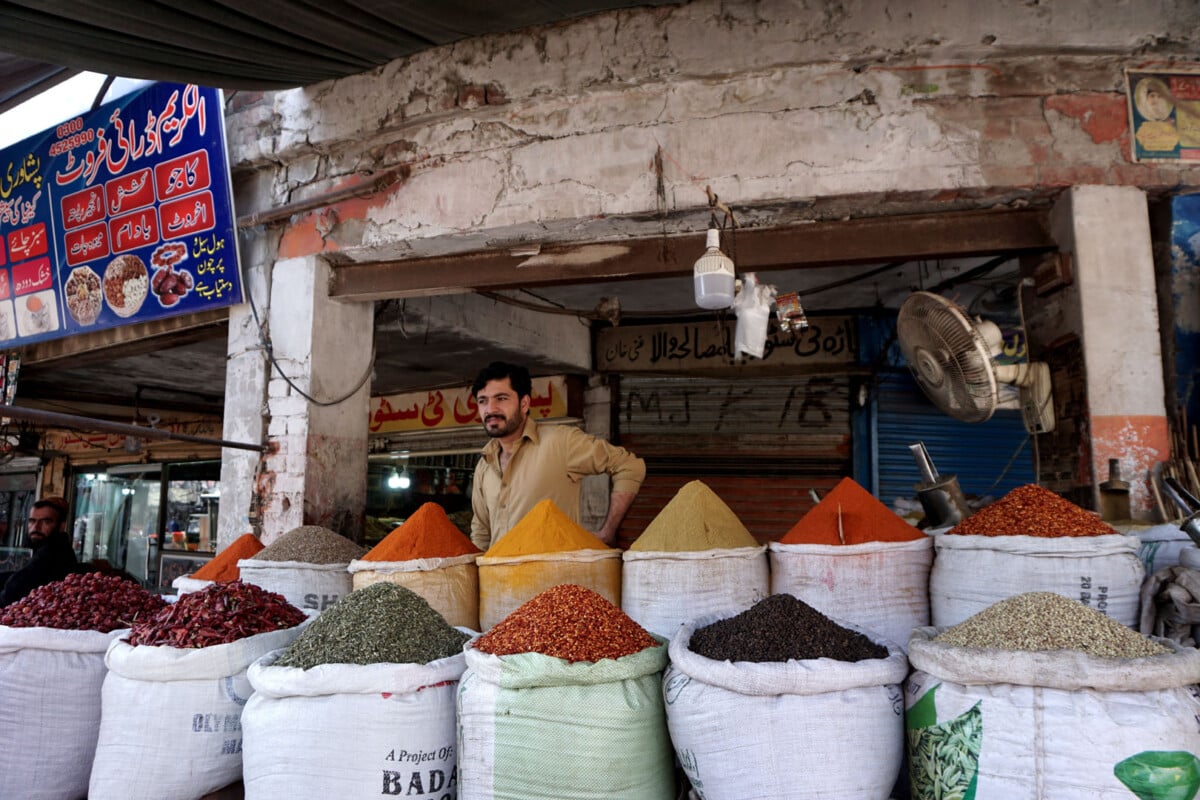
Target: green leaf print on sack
[943,758]
[1161,774]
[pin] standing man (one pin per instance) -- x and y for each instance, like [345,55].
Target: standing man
[53,558]
[525,463]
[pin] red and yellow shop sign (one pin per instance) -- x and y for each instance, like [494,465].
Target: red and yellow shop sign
[456,408]
[71,442]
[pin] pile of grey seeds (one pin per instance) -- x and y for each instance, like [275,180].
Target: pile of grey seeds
[311,544]
[1047,621]
[383,623]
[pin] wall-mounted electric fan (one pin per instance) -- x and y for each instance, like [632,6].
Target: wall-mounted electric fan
[953,359]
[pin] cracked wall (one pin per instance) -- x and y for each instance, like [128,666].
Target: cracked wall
[552,134]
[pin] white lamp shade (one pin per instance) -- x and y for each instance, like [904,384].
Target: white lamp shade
[714,275]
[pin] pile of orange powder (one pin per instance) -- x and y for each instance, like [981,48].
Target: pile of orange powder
[223,567]
[428,533]
[850,514]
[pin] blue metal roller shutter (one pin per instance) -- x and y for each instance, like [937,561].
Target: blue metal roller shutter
[976,452]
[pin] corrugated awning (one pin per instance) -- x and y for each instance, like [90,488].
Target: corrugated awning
[267,44]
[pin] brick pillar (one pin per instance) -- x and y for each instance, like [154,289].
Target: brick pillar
[1106,229]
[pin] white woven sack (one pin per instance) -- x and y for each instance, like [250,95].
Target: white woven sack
[170,726]
[534,726]
[1058,724]
[50,683]
[1162,545]
[185,585]
[971,573]
[351,730]
[309,587]
[449,585]
[663,590]
[506,583]
[816,729]
[881,587]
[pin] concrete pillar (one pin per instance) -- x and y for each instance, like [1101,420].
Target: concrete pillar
[314,471]
[1107,231]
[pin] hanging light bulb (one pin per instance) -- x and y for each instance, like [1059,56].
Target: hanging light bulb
[714,275]
[399,480]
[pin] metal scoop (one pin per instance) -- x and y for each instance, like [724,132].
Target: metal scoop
[1188,504]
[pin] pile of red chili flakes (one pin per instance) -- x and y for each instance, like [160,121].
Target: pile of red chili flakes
[1032,511]
[219,614]
[568,622]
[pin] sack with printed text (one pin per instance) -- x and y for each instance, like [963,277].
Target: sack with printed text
[170,726]
[375,730]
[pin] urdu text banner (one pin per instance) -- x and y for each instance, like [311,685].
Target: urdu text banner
[118,216]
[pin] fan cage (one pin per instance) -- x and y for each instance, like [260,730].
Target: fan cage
[948,358]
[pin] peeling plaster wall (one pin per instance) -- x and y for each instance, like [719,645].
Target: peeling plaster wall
[552,133]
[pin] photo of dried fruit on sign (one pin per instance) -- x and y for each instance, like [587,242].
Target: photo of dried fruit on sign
[170,285]
[125,283]
[83,295]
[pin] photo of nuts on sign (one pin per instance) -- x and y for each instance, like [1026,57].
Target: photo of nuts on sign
[171,285]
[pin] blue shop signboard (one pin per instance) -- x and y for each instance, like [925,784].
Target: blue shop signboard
[117,216]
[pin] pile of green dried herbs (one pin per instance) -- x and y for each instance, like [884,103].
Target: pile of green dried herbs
[380,624]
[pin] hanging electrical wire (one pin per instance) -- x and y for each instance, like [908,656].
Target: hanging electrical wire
[265,340]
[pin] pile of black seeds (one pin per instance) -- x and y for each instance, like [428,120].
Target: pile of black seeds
[311,544]
[780,628]
[380,624]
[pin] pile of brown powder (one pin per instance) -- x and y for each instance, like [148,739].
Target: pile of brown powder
[695,519]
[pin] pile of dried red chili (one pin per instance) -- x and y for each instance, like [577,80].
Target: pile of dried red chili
[83,602]
[219,614]
[1032,511]
[567,622]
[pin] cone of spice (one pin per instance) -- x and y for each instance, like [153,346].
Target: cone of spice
[223,567]
[695,519]
[430,556]
[569,622]
[850,515]
[428,533]
[311,544]
[545,529]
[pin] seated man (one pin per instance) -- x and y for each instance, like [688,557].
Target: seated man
[53,558]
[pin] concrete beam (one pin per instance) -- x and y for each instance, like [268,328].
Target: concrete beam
[818,244]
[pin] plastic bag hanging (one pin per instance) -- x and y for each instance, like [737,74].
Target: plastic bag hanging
[753,308]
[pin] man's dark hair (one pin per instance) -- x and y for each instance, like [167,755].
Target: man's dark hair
[58,504]
[499,370]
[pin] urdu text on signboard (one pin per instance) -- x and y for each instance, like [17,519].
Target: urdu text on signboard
[118,216]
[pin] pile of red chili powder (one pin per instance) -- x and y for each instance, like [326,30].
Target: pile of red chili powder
[1032,511]
[568,622]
